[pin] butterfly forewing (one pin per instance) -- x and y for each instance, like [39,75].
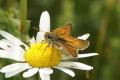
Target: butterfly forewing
[63,31]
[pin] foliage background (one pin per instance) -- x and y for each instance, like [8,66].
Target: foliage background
[100,18]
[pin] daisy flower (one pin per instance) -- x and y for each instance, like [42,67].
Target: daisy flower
[39,56]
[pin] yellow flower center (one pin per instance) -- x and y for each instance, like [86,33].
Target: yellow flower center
[43,55]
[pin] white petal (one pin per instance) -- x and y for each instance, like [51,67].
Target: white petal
[84,37]
[15,67]
[12,39]
[32,41]
[13,73]
[86,55]
[30,72]
[68,71]
[44,76]
[44,24]
[75,65]
[3,45]
[13,52]
[40,36]
[17,53]
[45,73]
[46,70]
[6,41]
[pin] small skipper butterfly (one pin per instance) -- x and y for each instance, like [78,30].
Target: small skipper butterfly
[62,38]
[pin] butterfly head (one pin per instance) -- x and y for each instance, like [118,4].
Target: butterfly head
[51,36]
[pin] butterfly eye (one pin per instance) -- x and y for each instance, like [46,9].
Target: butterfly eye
[50,37]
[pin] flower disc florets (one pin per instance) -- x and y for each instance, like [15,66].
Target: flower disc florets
[43,55]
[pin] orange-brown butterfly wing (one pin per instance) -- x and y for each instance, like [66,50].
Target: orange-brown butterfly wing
[70,50]
[77,43]
[71,44]
[63,31]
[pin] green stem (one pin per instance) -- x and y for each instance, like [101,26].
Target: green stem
[23,13]
[87,75]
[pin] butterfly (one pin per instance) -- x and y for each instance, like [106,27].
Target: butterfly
[62,38]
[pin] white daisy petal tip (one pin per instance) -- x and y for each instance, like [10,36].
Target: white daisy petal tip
[44,24]
[87,55]
[2,71]
[91,68]
[84,37]
[66,70]
[95,54]
[30,72]
[15,66]
[76,65]
[85,67]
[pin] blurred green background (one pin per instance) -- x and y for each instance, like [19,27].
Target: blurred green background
[100,18]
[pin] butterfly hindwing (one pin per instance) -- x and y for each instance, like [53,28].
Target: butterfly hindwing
[70,50]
